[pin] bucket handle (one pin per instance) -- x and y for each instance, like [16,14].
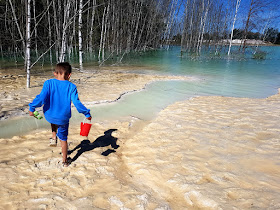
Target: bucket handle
[85,120]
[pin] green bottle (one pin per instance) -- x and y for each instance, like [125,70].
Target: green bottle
[37,115]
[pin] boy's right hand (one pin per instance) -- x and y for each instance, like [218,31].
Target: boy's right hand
[89,118]
[31,113]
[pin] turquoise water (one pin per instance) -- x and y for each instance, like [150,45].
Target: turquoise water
[229,77]
[242,77]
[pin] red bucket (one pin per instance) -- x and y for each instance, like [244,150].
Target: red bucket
[85,128]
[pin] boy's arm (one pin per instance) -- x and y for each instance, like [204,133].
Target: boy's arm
[39,100]
[78,104]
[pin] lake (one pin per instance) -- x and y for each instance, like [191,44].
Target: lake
[231,77]
[223,76]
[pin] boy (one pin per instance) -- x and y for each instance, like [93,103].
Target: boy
[56,96]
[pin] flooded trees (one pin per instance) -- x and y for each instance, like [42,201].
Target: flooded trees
[68,30]
[99,30]
[106,26]
[196,24]
[208,23]
[80,35]
[27,51]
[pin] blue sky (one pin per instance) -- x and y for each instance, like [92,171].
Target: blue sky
[271,12]
[271,9]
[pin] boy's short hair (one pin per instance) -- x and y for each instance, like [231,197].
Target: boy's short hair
[63,68]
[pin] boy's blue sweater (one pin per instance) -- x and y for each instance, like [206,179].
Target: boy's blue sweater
[56,96]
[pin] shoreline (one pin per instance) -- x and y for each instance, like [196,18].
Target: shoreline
[15,102]
[209,152]
[153,166]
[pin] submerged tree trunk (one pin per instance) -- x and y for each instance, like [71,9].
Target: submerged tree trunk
[91,28]
[102,34]
[17,23]
[50,32]
[35,28]
[80,35]
[27,51]
[251,10]
[64,32]
[234,19]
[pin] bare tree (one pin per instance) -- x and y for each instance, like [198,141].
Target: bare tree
[27,52]
[65,26]
[233,23]
[80,35]
[92,28]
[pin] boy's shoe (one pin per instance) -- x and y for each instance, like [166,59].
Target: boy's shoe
[67,163]
[53,142]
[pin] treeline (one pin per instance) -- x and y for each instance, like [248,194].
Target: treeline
[59,30]
[68,28]
[270,35]
[77,30]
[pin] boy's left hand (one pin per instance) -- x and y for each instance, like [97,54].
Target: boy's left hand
[31,113]
[89,118]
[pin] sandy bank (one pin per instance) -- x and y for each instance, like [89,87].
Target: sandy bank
[94,86]
[211,153]
[204,153]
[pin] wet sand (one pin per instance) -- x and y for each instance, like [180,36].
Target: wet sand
[94,86]
[204,153]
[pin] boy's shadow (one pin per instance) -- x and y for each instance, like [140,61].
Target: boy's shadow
[102,141]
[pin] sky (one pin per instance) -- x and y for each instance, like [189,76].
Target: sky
[271,10]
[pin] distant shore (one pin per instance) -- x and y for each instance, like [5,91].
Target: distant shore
[235,42]
[250,42]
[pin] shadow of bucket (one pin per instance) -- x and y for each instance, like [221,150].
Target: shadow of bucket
[85,128]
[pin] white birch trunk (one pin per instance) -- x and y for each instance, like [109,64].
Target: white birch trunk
[191,25]
[172,14]
[203,27]
[105,32]
[50,32]
[184,27]
[137,24]
[64,30]
[57,38]
[200,27]
[35,29]
[91,28]
[102,34]
[263,32]
[27,50]
[80,35]
[73,49]
[234,19]
[17,24]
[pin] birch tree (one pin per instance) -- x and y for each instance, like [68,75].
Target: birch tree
[49,32]
[17,23]
[256,14]
[65,26]
[92,28]
[27,52]
[233,23]
[80,35]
